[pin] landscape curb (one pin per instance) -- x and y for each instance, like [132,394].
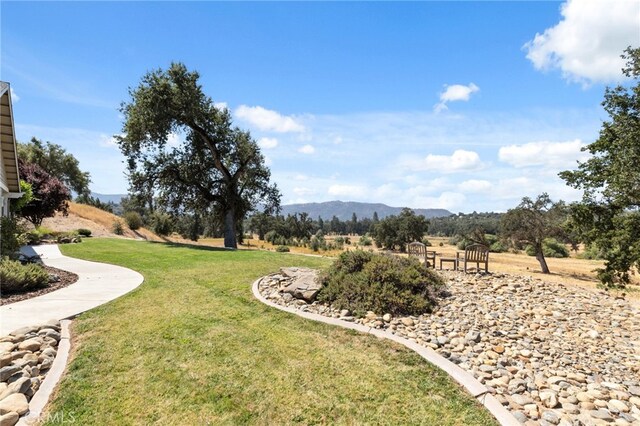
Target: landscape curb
[51,380]
[464,378]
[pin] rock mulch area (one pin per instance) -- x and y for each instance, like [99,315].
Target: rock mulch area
[26,355]
[552,354]
[58,279]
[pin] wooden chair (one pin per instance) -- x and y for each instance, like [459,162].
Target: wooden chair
[419,250]
[476,253]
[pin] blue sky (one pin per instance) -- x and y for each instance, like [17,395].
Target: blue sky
[458,105]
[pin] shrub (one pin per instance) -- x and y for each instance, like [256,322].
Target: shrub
[134,220]
[498,247]
[117,227]
[317,242]
[16,277]
[10,231]
[271,236]
[592,252]
[426,242]
[84,232]
[362,281]
[550,248]
[365,240]
[161,223]
[282,249]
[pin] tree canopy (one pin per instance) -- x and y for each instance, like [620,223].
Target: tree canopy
[395,232]
[218,170]
[49,195]
[56,161]
[533,221]
[609,214]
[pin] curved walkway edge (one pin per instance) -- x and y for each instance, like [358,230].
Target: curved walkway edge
[97,283]
[464,378]
[41,397]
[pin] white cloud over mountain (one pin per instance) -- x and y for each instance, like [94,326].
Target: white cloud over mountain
[587,42]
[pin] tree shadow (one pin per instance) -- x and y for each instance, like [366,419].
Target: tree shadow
[174,244]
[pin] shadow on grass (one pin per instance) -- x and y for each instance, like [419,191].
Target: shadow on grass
[173,244]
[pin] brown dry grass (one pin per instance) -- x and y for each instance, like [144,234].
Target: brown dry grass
[569,270]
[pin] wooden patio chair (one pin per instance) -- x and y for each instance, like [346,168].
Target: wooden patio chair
[476,253]
[419,250]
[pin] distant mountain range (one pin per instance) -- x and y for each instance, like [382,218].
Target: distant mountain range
[109,198]
[344,210]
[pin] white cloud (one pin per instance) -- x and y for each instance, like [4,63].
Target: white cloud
[455,92]
[221,105]
[268,143]
[548,154]
[301,177]
[108,141]
[460,161]
[587,43]
[307,149]
[474,185]
[446,200]
[14,96]
[268,120]
[302,191]
[353,191]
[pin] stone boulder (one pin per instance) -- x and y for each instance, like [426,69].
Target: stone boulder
[304,283]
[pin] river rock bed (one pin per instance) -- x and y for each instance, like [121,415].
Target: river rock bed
[552,354]
[26,355]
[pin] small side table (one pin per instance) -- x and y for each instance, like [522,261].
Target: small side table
[453,260]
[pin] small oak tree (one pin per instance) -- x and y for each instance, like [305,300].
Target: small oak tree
[395,232]
[218,171]
[533,221]
[49,195]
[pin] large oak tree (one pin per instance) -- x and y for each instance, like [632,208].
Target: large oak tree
[217,170]
[609,214]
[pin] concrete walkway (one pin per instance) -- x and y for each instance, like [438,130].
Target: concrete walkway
[97,283]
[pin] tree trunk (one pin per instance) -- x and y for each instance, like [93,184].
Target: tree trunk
[230,229]
[541,259]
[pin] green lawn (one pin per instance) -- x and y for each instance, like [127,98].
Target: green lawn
[192,346]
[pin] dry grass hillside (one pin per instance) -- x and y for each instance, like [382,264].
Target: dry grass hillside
[98,221]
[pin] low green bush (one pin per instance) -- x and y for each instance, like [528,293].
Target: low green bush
[161,223]
[117,227]
[84,232]
[366,241]
[10,232]
[498,247]
[16,277]
[592,252]
[282,249]
[550,248]
[134,220]
[363,281]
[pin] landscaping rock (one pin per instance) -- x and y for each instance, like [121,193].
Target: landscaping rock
[16,402]
[9,419]
[304,283]
[533,343]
